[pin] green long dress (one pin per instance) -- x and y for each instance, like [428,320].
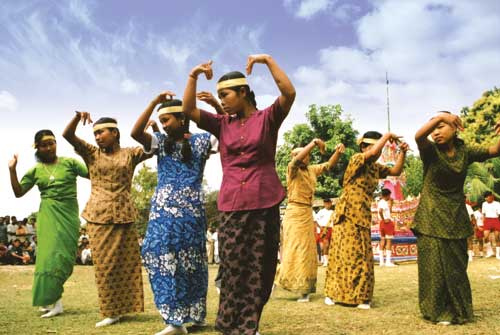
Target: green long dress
[58,226]
[442,226]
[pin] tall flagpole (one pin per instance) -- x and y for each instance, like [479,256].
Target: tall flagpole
[388,111]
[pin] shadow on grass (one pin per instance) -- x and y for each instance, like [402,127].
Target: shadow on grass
[138,318]
[201,330]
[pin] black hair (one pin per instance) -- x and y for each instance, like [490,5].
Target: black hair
[38,138]
[109,120]
[386,192]
[327,200]
[374,135]
[487,194]
[250,95]
[186,151]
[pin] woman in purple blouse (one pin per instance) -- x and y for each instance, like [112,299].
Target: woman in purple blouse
[250,193]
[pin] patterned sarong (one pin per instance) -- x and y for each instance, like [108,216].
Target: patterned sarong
[248,244]
[117,266]
[444,292]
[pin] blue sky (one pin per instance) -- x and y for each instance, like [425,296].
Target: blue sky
[112,57]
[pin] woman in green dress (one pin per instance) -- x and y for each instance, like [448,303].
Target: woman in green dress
[441,222]
[58,219]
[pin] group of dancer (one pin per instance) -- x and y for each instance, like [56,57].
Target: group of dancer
[173,249]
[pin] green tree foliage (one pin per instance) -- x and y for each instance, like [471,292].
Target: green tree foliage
[327,123]
[143,187]
[414,173]
[479,121]
[211,209]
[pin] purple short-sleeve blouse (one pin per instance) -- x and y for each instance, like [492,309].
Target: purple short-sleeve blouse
[247,151]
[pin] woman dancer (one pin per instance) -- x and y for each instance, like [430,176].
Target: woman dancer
[110,214]
[298,269]
[441,222]
[250,192]
[350,275]
[58,222]
[174,250]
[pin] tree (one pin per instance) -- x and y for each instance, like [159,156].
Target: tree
[324,122]
[479,121]
[211,210]
[414,173]
[143,187]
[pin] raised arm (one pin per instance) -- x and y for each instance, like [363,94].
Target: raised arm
[281,79]
[69,131]
[153,125]
[208,98]
[14,181]
[339,150]
[189,99]
[307,149]
[428,127]
[138,132]
[400,160]
[376,149]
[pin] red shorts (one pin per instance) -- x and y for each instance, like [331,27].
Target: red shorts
[479,233]
[491,224]
[386,228]
[327,232]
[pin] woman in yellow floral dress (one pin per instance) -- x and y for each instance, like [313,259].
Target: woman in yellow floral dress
[350,275]
[298,269]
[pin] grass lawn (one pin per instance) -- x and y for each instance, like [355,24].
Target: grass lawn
[395,309]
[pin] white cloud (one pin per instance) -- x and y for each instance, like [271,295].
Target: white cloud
[129,86]
[178,54]
[306,9]
[8,102]
[345,12]
[439,55]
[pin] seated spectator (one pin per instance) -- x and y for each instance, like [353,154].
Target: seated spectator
[3,253]
[11,228]
[27,248]
[16,255]
[3,231]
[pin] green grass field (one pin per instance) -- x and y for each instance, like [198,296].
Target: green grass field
[395,309]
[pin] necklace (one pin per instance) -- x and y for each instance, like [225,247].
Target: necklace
[50,172]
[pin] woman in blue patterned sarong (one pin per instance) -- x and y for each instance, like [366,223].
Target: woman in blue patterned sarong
[173,250]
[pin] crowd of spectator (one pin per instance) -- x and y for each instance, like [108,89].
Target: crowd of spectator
[17,240]
[18,243]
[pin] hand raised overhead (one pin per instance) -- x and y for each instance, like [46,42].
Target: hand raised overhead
[205,68]
[258,58]
[84,117]
[13,162]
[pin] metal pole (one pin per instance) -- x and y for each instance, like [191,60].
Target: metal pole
[388,111]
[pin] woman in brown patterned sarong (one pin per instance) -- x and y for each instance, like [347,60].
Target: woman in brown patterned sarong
[110,214]
[350,277]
